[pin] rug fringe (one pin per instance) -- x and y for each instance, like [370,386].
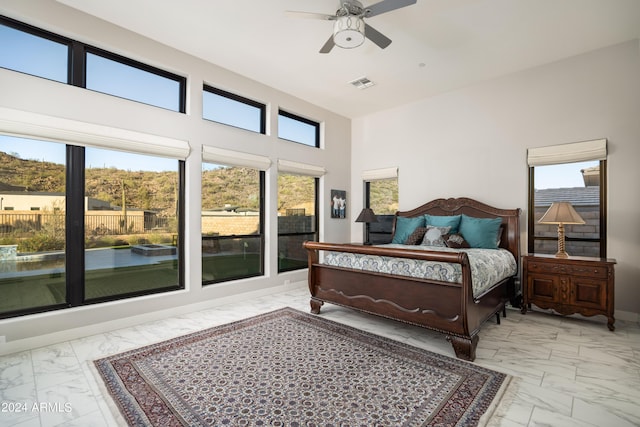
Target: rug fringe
[498,409]
[106,396]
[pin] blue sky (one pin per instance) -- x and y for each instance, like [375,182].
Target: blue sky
[29,149]
[561,176]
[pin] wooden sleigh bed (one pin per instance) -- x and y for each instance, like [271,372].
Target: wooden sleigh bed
[449,308]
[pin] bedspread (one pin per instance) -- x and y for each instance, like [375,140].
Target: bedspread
[488,266]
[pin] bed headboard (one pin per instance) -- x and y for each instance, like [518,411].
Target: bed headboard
[510,238]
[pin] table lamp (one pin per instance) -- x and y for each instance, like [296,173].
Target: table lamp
[561,213]
[367,216]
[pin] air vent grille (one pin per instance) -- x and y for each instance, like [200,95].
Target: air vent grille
[362,83]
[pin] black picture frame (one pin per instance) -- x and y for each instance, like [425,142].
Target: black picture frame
[338,204]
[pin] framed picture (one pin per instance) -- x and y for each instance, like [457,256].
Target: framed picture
[338,204]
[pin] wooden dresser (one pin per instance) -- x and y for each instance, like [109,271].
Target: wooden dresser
[569,285]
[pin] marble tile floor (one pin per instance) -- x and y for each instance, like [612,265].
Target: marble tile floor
[570,371]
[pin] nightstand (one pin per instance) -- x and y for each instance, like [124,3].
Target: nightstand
[569,285]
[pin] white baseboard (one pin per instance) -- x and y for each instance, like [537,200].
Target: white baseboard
[627,316]
[83,331]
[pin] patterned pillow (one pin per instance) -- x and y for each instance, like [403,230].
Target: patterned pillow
[416,237]
[433,236]
[455,240]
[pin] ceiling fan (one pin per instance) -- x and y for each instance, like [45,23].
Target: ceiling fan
[349,29]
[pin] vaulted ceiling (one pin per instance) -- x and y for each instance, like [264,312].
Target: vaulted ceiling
[438,45]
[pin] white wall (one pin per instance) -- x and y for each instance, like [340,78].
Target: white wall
[32,94]
[472,142]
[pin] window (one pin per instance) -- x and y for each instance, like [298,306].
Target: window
[117,215]
[118,76]
[233,110]
[381,195]
[297,212]
[131,224]
[232,222]
[582,183]
[298,129]
[32,51]
[31,283]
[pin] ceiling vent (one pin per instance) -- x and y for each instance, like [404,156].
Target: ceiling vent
[362,83]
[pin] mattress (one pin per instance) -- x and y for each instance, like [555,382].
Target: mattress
[488,266]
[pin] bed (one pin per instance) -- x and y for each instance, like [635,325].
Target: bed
[446,304]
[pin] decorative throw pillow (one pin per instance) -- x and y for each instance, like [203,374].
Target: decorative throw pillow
[433,236]
[416,237]
[455,240]
[480,232]
[404,227]
[452,221]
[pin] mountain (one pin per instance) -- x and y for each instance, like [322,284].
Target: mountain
[156,191]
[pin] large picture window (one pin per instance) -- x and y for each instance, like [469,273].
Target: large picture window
[131,223]
[574,173]
[297,212]
[232,222]
[80,225]
[32,243]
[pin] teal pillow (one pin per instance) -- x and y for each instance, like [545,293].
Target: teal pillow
[480,232]
[452,221]
[405,226]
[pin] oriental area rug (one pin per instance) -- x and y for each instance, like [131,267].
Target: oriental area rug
[289,368]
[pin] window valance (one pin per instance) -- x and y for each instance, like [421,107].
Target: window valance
[296,168]
[234,158]
[377,174]
[568,153]
[39,126]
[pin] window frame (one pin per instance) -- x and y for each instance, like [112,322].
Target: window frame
[39,32]
[77,59]
[387,219]
[261,235]
[304,120]
[531,222]
[316,225]
[75,235]
[241,99]
[182,81]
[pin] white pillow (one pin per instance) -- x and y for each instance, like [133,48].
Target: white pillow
[433,236]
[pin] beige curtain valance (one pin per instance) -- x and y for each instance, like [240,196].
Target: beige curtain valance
[296,168]
[39,126]
[377,174]
[568,153]
[234,158]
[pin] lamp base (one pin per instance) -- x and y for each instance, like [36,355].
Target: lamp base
[562,254]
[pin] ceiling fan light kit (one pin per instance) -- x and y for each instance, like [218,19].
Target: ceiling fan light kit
[348,32]
[349,27]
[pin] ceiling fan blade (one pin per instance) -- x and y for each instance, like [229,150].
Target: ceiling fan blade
[376,36]
[386,6]
[328,45]
[309,15]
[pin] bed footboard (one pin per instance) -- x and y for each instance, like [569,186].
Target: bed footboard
[445,307]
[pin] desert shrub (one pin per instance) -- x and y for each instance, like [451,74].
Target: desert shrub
[41,242]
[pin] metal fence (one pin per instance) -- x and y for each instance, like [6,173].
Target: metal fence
[20,223]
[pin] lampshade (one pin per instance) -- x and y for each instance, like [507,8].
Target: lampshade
[348,31]
[561,213]
[367,215]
